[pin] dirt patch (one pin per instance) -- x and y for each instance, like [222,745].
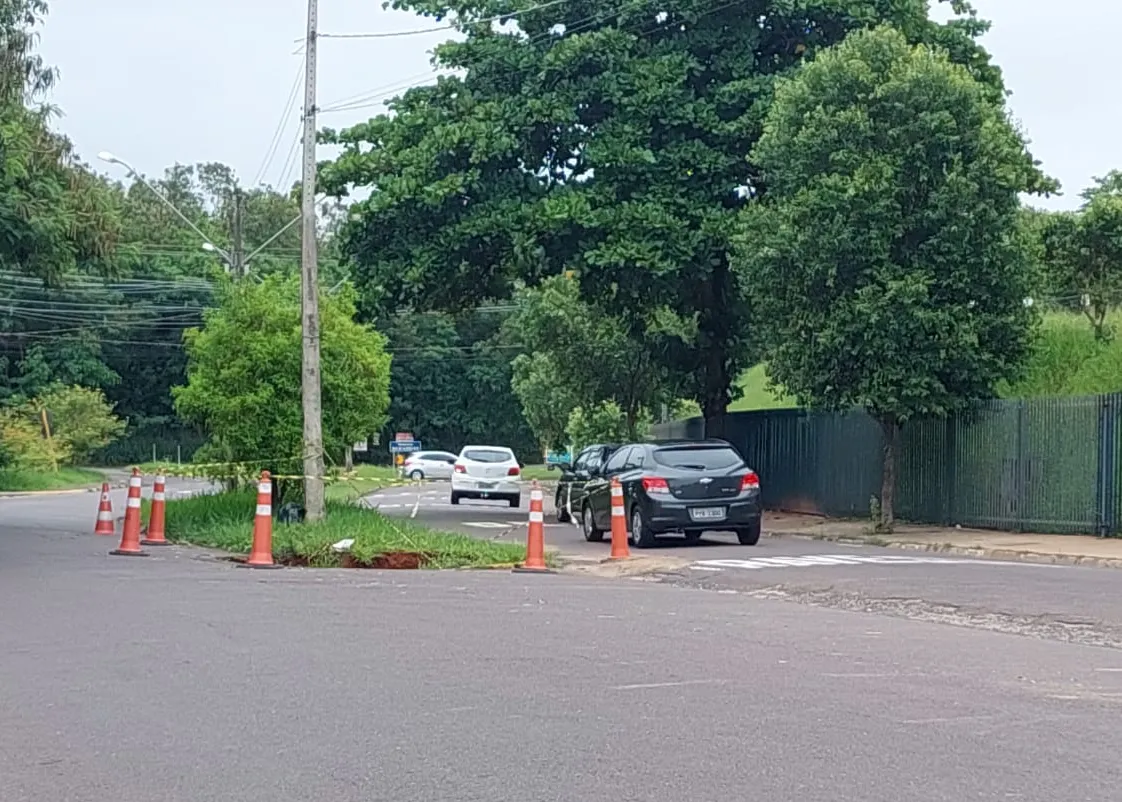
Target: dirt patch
[391,561]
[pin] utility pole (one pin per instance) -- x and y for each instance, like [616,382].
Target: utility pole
[237,251]
[309,292]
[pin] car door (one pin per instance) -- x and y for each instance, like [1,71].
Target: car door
[439,465]
[570,484]
[599,489]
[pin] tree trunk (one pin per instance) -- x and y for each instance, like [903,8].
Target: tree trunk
[349,459]
[890,431]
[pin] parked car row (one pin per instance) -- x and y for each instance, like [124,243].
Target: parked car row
[483,472]
[670,487]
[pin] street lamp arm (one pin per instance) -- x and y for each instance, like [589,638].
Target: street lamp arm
[109,157]
[271,239]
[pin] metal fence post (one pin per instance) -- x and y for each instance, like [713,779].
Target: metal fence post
[1107,469]
[950,474]
[1019,471]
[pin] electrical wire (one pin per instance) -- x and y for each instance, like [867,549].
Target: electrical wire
[435,29]
[282,125]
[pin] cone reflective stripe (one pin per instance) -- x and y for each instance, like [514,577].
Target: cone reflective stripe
[130,532]
[261,552]
[155,536]
[620,549]
[104,524]
[535,535]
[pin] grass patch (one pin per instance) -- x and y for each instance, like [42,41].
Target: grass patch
[757,395]
[15,480]
[225,521]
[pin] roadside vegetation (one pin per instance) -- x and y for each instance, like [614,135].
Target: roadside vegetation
[17,480]
[225,521]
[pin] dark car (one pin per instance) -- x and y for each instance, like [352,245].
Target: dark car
[681,487]
[574,478]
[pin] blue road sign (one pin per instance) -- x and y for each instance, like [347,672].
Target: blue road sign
[404,446]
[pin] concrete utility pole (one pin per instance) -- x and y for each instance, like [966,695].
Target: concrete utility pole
[309,292]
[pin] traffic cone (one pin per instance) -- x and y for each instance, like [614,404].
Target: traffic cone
[261,552]
[155,534]
[535,536]
[104,513]
[130,533]
[620,550]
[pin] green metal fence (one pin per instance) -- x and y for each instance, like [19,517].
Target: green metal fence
[1042,465]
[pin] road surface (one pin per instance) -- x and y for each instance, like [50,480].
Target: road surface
[181,678]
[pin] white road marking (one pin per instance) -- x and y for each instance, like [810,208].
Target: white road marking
[823,560]
[486,524]
[646,685]
[416,504]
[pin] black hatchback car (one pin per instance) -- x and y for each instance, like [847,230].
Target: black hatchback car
[681,487]
[574,478]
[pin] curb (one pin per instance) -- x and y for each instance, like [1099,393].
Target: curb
[41,493]
[1037,557]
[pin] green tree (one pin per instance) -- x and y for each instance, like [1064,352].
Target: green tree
[243,375]
[885,258]
[604,423]
[609,139]
[80,418]
[1083,251]
[577,355]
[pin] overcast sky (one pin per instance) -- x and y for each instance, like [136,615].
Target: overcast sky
[164,81]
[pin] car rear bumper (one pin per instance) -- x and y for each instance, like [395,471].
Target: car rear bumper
[485,487]
[675,516]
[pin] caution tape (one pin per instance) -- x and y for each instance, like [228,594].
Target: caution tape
[252,471]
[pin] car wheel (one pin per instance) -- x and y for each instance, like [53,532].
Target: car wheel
[416,476]
[588,526]
[559,505]
[455,498]
[641,536]
[749,535]
[514,501]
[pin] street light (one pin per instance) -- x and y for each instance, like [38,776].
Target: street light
[106,156]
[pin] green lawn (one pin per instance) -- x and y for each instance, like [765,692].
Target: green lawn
[756,393]
[20,481]
[225,521]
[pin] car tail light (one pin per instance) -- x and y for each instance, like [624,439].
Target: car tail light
[460,469]
[750,481]
[514,471]
[655,484]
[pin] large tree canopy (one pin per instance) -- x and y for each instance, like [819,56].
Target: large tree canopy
[609,138]
[887,258]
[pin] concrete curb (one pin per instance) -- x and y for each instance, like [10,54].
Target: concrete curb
[1040,558]
[42,493]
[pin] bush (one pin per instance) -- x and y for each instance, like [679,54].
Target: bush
[603,423]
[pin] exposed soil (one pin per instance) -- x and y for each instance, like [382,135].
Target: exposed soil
[392,561]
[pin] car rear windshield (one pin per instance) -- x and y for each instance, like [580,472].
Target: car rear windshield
[698,459]
[486,455]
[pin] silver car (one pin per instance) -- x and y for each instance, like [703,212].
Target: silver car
[430,465]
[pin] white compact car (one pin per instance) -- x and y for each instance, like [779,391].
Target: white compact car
[487,472]
[430,465]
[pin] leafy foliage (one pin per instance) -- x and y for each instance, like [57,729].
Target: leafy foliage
[1084,252]
[579,355]
[605,422]
[78,422]
[607,138]
[885,257]
[243,375]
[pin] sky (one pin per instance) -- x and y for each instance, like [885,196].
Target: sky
[157,82]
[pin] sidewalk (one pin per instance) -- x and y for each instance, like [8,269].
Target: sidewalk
[1065,549]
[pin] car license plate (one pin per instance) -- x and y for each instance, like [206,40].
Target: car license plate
[707,513]
[486,485]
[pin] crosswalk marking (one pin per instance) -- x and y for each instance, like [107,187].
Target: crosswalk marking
[822,560]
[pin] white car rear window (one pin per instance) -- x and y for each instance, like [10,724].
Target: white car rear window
[487,455]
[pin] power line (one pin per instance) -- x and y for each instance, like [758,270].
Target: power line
[282,125]
[435,29]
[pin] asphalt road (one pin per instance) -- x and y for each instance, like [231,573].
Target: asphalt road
[1076,604]
[178,677]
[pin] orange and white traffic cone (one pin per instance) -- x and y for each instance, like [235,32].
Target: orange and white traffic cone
[155,534]
[620,550]
[261,552]
[535,536]
[130,533]
[104,524]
